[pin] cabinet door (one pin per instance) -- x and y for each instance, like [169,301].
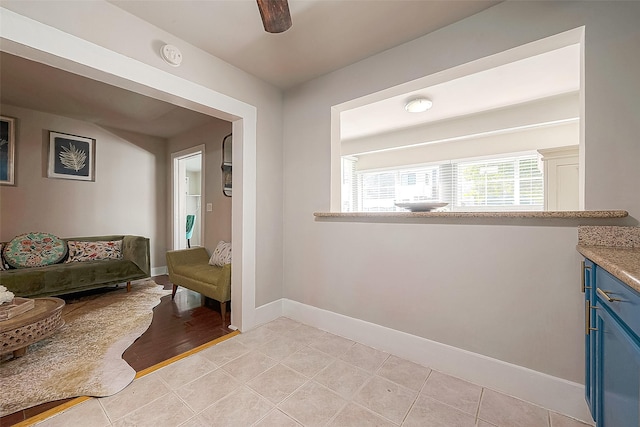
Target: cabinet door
[588,284]
[617,373]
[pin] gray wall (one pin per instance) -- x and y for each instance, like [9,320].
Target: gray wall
[128,196]
[217,223]
[505,289]
[94,21]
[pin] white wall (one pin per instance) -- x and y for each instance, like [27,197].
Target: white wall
[95,21]
[512,142]
[217,223]
[509,289]
[556,109]
[449,282]
[127,197]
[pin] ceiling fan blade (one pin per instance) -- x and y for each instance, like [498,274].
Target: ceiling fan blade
[275,14]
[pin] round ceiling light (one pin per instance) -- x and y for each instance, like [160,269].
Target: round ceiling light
[418,105]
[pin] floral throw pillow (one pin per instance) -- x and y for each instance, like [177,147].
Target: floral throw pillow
[34,250]
[221,255]
[3,266]
[91,251]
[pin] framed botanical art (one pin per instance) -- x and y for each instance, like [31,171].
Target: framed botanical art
[71,157]
[7,150]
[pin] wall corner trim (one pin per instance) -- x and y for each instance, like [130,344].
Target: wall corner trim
[268,312]
[159,271]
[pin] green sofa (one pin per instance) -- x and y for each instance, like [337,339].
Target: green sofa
[190,269]
[64,278]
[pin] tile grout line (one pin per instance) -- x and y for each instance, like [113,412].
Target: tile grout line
[174,391]
[139,407]
[479,403]
[372,375]
[354,394]
[104,410]
[417,394]
[311,379]
[195,414]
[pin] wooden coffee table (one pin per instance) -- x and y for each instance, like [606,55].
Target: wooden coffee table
[17,333]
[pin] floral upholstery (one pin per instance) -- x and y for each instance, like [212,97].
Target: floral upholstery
[34,250]
[91,251]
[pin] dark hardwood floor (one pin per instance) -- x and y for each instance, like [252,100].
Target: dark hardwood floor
[178,326]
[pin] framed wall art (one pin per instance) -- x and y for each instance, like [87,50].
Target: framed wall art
[7,150]
[71,157]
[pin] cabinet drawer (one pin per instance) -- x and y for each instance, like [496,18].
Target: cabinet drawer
[623,301]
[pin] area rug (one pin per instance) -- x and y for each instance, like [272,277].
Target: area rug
[84,357]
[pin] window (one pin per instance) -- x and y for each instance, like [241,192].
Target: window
[349,194]
[495,184]
[499,184]
[486,114]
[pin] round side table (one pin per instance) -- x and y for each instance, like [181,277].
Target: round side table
[17,333]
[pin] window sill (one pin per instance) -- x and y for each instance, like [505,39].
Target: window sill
[467,217]
[519,214]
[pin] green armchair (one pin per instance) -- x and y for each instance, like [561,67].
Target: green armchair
[190,269]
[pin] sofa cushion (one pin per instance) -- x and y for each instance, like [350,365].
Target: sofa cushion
[200,272]
[34,250]
[221,255]
[93,251]
[59,279]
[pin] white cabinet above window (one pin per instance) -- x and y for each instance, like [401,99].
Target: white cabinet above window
[561,178]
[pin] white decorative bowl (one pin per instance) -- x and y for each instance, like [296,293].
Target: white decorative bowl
[421,206]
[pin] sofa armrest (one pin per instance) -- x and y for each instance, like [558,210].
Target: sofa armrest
[197,255]
[136,249]
[225,280]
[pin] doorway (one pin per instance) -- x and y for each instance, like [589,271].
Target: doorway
[188,189]
[54,47]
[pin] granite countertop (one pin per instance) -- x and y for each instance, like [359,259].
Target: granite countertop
[441,214]
[623,263]
[616,249]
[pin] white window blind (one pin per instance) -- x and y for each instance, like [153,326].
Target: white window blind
[349,187]
[496,184]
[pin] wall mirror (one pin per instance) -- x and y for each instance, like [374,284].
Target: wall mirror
[227,146]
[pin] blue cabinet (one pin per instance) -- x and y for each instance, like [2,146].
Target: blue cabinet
[612,344]
[618,379]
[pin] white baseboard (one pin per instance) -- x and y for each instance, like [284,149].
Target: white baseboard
[159,271]
[550,392]
[268,312]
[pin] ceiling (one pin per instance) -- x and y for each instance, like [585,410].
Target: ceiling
[81,98]
[541,76]
[326,35]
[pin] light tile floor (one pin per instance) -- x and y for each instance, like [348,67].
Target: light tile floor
[286,373]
